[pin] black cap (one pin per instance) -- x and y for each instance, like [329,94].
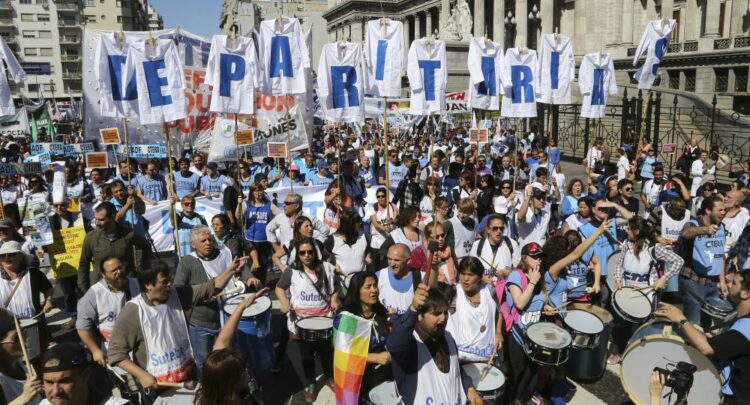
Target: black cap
[532,249]
[64,356]
[212,165]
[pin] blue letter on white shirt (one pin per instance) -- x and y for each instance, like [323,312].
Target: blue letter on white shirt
[487,87]
[231,67]
[154,82]
[522,77]
[554,69]
[659,48]
[343,79]
[597,91]
[429,67]
[380,58]
[115,80]
[281,57]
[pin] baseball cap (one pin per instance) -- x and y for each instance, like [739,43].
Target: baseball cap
[64,356]
[6,224]
[212,165]
[532,249]
[293,168]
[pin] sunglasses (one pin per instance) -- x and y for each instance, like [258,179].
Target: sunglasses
[289,202]
[381,196]
[497,228]
[627,189]
[439,236]
[7,255]
[188,204]
[305,252]
[505,188]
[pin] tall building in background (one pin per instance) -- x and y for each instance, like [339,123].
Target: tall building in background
[248,14]
[46,36]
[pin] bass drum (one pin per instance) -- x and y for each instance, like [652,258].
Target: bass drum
[589,364]
[612,262]
[656,344]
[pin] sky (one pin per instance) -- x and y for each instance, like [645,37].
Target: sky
[200,17]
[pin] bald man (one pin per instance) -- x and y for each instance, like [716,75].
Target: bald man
[736,218]
[397,282]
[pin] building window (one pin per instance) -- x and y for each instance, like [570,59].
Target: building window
[27,17]
[676,32]
[88,3]
[45,51]
[45,34]
[740,79]
[29,34]
[722,80]
[47,87]
[690,80]
[42,17]
[674,79]
[29,51]
[25,2]
[33,87]
[90,18]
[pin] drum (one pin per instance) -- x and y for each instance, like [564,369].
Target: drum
[492,385]
[385,394]
[315,328]
[632,305]
[30,328]
[590,363]
[656,344]
[719,311]
[612,262]
[547,343]
[176,396]
[585,328]
[254,337]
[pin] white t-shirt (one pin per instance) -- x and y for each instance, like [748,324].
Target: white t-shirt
[533,227]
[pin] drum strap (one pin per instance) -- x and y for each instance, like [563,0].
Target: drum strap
[324,296]
[13,292]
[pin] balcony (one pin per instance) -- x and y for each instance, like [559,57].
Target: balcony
[6,22]
[71,75]
[70,58]
[6,5]
[67,22]
[68,7]
[70,40]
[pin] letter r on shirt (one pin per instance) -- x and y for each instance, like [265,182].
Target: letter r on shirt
[523,88]
[343,87]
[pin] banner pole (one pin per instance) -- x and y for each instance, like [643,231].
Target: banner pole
[237,150]
[171,192]
[132,212]
[287,117]
[385,151]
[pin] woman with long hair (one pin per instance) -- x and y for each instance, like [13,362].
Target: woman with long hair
[363,301]
[637,268]
[407,232]
[258,213]
[301,229]
[577,272]
[581,216]
[466,187]
[573,193]
[486,196]
[312,291]
[427,205]
[348,246]
[226,235]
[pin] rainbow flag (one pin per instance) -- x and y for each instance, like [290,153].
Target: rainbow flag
[351,343]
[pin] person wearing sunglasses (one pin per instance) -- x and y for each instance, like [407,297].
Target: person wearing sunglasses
[397,171]
[16,386]
[187,218]
[312,288]
[497,253]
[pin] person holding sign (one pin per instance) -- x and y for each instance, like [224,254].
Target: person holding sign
[66,279]
[130,209]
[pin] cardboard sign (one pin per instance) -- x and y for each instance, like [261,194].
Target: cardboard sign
[86,147]
[57,148]
[277,150]
[668,148]
[473,135]
[483,136]
[97,160]
[32,167]
[39,148]
[110,136]
[245,137]
[8,170]
[65,253]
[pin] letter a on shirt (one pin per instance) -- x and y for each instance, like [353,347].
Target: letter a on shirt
[285,56]
[557,68]
[233,72]
[596,78]
[428,76]
[384,53]
[118,99]
[654,44]
[160,80]
[487,74]
[340,82]
[520,97]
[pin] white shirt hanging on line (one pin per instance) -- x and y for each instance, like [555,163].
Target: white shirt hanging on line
[285,56]
[340,87]
[384,57]
[487,74]
[557,66]
[16,71]
[654,44]
[234,72]
[160,80]
[118,99]
[428,76]
[520,97]
[596,78]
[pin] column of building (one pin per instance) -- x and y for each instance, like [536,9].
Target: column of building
[478,18]
[522,23]
[498,23]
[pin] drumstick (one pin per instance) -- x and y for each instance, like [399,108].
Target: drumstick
[645,288]
[116,375]
[188,385]
[489,365]
[22,341]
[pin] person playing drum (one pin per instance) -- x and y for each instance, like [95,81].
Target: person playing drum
[425,355]
[313,292]
[577,272]
[730,349]
[476,325]
[362,300]
[637,268]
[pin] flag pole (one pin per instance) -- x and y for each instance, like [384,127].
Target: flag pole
[132,208]
[171,192]
[385,151]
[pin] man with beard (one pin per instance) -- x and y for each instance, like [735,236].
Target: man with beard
[703,240]
[99,307]
[730,349]
[186,182]
[652,187]
[425,358]
[69,380]
[109,238]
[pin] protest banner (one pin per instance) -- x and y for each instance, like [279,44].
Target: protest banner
[42,234]
[245,137]
[57,148]
[16,125]
[110,136]
[8,170]
[38,148]
[41,123]
[65,252]
[97,160]
[277,150]
[32,168]
[44,159]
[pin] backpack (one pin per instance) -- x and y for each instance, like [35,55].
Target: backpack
[510,316]
[484,239]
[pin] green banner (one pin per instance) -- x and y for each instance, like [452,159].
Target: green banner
[40,119]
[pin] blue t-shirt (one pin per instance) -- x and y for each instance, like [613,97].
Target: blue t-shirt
[397,174]
[256,220]
[213,186]
[647,171]
[554,154]
[185,185]
[569,206]
[184,226]
[602,247]
[742,326]
[153,189]
[532,313]
[132,219]
[708,251]
[134,179]
[321,181]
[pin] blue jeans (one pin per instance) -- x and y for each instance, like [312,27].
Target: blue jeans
[68,286]
[202,342]
[692,308]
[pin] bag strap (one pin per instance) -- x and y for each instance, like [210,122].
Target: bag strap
[324,296]
[13,292]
